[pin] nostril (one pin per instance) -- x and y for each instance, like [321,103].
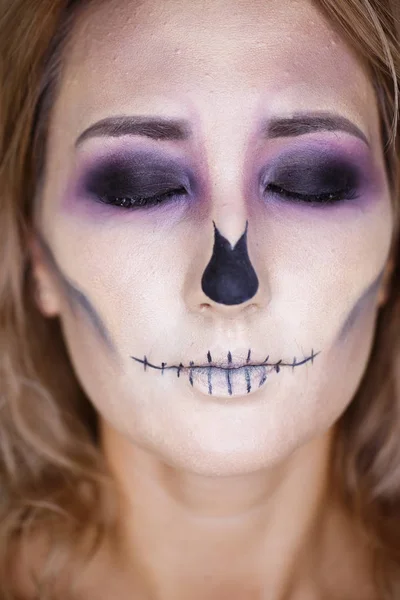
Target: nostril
[251,308]
[248,310]
[205,306]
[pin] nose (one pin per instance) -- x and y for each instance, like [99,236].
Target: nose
[229,277]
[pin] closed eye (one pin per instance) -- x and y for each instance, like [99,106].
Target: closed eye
[326,197]
[132,202]
[318,180]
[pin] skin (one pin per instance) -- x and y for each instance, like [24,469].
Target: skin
[222,495]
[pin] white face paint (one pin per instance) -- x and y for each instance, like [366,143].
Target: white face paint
[299,213]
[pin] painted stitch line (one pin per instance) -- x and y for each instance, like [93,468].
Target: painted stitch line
[248,380]
[209,374]
[263,378]
[228,375]
[210,366]
[192,367]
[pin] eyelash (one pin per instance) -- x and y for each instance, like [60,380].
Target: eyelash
[142,202]
[326,198]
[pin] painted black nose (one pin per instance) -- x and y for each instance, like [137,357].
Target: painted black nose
[229,277]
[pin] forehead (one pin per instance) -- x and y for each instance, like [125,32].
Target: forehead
[210,59]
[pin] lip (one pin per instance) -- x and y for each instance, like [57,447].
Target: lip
[229,382]
[226,378]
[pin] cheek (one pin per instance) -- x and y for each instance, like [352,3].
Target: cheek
[326,265]
[127,279]
[345,362]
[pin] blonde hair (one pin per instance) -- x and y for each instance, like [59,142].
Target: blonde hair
[52,475]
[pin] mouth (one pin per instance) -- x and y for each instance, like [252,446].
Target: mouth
[227,377]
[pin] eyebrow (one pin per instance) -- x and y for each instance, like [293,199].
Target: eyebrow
[152,127]
[303,123]
[158,128]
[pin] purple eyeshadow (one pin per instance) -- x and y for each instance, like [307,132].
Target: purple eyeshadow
[319,170]
[322,176]
[140,174]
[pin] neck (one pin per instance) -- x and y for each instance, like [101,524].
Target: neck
[185,535]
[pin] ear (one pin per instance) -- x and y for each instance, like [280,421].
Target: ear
[46,292]
[384,291]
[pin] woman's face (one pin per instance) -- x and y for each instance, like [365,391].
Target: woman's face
[215,224]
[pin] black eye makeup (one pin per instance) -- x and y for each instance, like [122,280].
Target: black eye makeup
[137,181]
[316,179]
